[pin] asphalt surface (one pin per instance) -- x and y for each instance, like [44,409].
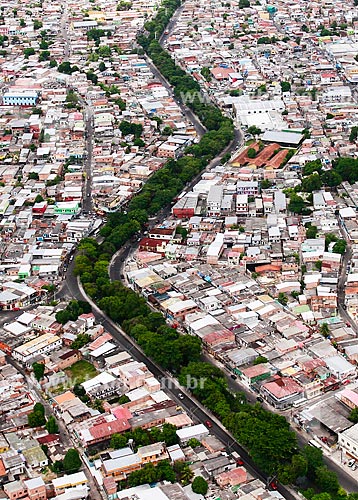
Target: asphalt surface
[342,280]
[171,386]
[87,189]
[72,288]
[200,130]
[64,33]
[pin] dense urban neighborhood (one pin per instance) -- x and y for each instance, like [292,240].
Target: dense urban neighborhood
[179,250]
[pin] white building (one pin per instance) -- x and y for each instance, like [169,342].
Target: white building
[65,483]
[340,367]
[348,441]
[214,200]
[40,345]
[194,432]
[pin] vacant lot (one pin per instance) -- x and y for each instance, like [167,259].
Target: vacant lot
[81,370]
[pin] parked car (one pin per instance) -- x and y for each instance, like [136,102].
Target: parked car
[351,463]
[260,399]
[272,485]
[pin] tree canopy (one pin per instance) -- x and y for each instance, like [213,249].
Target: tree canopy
[200,486]
[72,461]
[39,370]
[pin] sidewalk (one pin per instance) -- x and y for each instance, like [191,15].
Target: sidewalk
[341,460]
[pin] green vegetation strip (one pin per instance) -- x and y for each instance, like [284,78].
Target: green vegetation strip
[266,436]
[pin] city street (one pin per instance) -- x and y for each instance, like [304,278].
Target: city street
[72,288]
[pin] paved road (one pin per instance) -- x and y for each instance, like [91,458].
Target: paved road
[170,26]
[64,33]
[198,413]
[87,188]
[342,280]
[341,288]
[200,130]
[171,386]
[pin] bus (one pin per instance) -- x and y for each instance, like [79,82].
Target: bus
[314,443]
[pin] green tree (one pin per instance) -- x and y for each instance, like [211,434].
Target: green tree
[318,265]
[329,238]
[193,443]
[51,425]
[331,178]
[184,473]
[260,360]
[299,466]
[340,246]
[206,73]
[44,45]
[37,417]
[282,298]
[285,86]
[39,408]
[314,458]
[253,130]
[39,370]
[353,416]
[81,340]
[347,168]
[57,467]
[311,183]
[97,404]
[167,131]
[169,434]
[324,330]
[79,390]
[29,51]
[266,184]
[251,153]
[72,461]
[311,167]
[199,486]
[39,199]
[95,34]
[296,204]
[36,111]
[354,134]
[118,441]
[37,24]
[326,479]
[311,231]
[322,496]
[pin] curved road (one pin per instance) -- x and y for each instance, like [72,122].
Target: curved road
[72,288]
[170,385]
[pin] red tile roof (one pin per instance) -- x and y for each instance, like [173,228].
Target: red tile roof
[121,413]
[107,429]
[283,387]
[100,341]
